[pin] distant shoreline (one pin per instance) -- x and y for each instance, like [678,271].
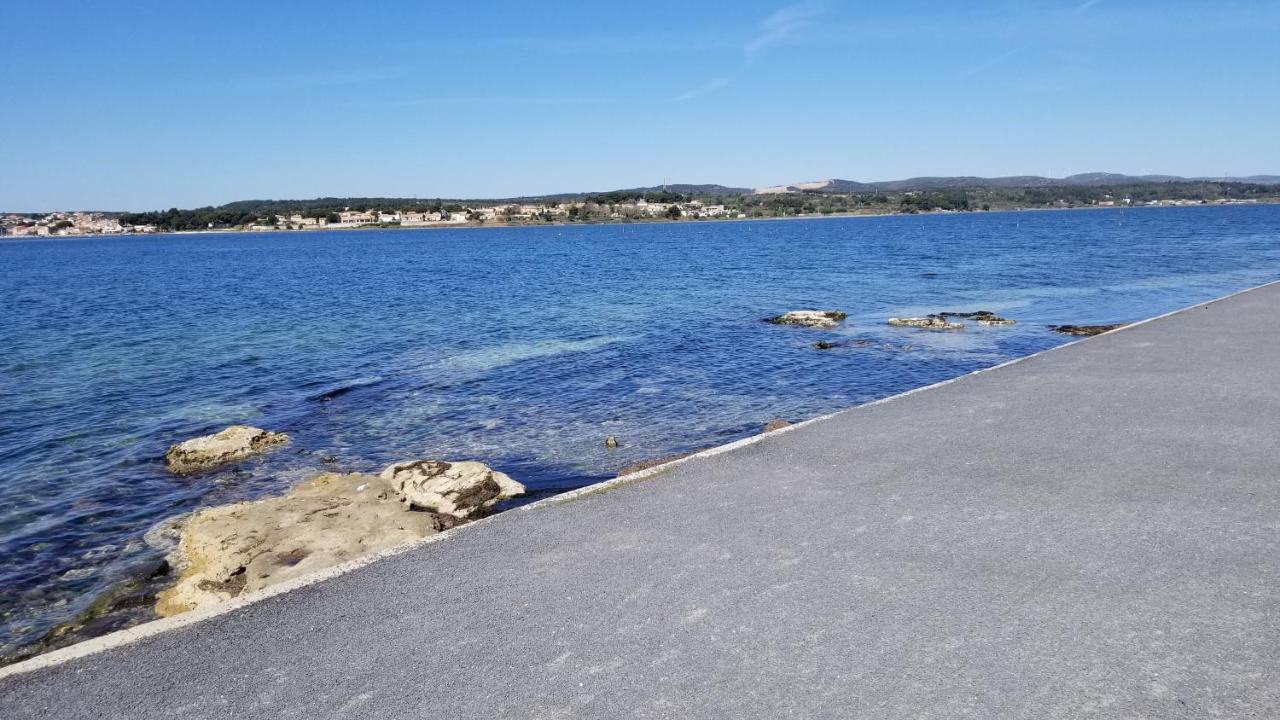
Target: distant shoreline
[647,221]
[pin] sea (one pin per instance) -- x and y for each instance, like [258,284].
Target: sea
[522,347]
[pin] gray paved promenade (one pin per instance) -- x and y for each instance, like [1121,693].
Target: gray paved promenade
[1094,532]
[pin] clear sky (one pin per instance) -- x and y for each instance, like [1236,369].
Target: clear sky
[150,104]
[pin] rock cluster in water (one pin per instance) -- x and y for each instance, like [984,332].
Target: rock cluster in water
[942,320]
[810,318]
[332,518]
[230,445]
[982,317]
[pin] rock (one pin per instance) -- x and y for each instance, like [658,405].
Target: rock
[459,490]
[235,443]
[932,322]
[655,462]
[825,345]
[611,442]
[332,518]
[1084,330]
[322,522]
[775,424]
[810,318]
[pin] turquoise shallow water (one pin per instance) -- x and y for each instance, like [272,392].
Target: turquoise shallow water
[521,347]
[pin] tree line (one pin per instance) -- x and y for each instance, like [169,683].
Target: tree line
[602,206]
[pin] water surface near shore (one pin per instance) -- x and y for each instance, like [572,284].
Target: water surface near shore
[521,347]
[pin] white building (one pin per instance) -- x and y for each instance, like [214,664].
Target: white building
[356,217]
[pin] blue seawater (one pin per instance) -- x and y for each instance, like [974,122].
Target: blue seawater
[521,347]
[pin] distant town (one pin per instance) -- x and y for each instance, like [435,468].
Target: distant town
[102,223]
[665,203]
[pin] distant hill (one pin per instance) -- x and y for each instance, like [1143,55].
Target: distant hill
[1100,179]
[826,186]
[679,188]
[1096,179]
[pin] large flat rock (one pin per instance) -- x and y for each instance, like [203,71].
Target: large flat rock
[1093,532]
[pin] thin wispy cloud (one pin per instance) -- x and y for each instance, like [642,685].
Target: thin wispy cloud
[1084,6]
[708,87]
[781,27]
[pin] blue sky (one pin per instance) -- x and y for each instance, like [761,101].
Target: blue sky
[145,105]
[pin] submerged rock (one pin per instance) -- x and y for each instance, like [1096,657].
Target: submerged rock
[165,535]
[1084,330]
[931,322]
[810,318]
[459,490]
[332,518]
[234,443]
[639,465]
[123,604]
[860,343]
[772,425]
